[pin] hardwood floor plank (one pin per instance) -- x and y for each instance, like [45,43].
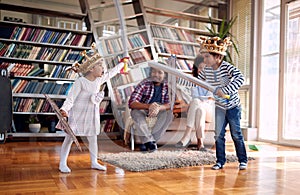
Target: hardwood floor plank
[32,168]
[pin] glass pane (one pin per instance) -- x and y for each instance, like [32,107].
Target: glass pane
[269,81]
[292,74]
[268,125]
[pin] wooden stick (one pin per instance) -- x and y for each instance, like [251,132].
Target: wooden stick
[63,121]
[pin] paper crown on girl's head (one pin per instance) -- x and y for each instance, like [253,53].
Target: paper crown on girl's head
[214,44]
[89,62]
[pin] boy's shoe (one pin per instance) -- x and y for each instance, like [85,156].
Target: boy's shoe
[217,166]
[151,146]
[243,166]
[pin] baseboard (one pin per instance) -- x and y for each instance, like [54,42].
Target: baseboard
[250,134]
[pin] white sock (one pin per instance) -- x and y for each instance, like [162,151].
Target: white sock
[64,153]
[93,148]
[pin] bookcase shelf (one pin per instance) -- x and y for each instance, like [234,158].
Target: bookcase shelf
[181,15]
[116,20]
[134,34]
[33,113]
[46,12]
[43,44]
[37,56]
[42,78]
[176,32]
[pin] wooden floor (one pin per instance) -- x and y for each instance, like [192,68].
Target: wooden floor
[31,167]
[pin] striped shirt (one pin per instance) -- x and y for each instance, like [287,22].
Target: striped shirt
[228,78]
[144,92]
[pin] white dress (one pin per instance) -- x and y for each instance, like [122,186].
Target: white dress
[83,114]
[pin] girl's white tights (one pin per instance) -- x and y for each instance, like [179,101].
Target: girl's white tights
[65,150]
[93,147]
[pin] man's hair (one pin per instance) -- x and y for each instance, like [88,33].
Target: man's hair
[160,62]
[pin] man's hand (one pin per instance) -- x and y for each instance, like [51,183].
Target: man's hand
[154,109]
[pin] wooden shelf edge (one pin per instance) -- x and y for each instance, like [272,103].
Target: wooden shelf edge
[116,20]
[61,134]
[44,27]
[31,10]
[45,44]
[34,61]
[109,4]
[180,15]
[30,95]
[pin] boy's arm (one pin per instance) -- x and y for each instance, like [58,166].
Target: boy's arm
[237,80]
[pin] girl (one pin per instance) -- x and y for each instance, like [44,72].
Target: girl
[82,107]
[199,112]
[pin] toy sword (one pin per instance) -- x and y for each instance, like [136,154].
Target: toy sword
[185,76]
[63,121]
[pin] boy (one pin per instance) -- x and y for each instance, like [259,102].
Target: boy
[227,79]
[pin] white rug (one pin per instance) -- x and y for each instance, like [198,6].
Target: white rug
[160,159]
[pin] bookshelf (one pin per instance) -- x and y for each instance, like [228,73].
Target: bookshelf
[161,28]
[174,26]
[117,38]
[175,31]
[37,50]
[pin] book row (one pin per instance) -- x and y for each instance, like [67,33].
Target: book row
[109,125]
[105,107]
[175,48]
[136,57]
[31,52]
[33,105]
[40,105]
[122,94]
[182,64]
[134,75]
[40,35]
[111,46]
[36,87]
[171,33]
[54,71]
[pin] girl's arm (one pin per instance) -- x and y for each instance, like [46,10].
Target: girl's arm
[112,72]
[71,97]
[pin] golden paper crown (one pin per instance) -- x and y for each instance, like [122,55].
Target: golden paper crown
[89,61]
[214,44]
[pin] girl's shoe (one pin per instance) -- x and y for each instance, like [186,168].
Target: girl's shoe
[180,144]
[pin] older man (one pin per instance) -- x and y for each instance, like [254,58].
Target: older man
[150,99]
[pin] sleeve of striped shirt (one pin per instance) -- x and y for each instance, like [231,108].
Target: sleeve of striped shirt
[237,80]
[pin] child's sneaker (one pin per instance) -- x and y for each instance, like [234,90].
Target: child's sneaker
[243,166]
[217,166]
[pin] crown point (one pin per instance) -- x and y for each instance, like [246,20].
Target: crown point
[215,44]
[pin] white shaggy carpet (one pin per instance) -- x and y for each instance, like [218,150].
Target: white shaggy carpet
[160,159]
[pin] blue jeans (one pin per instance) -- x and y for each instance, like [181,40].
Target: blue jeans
[231,117]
